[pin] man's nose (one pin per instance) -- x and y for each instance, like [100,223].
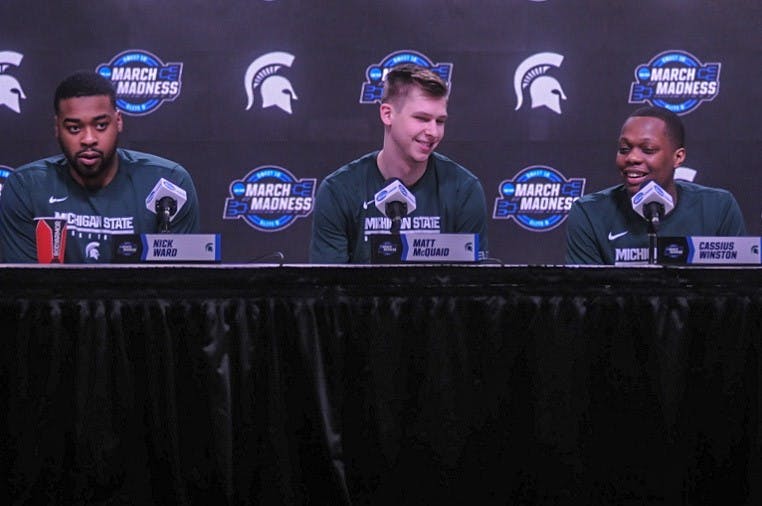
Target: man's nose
[634,156]
[88,137]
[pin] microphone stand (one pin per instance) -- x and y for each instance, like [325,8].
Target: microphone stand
[165,208]
[653,212]
[396,226]
[652,226]
[395,211]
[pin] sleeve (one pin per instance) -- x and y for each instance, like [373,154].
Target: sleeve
[187,220]
[330,235]
[732,223]
[581,246]
[17,237]
[472,218]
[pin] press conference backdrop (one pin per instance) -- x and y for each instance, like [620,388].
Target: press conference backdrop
[260,100]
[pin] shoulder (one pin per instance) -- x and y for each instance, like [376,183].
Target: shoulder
[693,191]
[39,171]
[132,161]
[445,166]
[353,173]
[42,165]
[603,198]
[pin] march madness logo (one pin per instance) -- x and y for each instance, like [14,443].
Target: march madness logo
[675,80]
[538,198]
[375,74]
[270,198]
[142,81]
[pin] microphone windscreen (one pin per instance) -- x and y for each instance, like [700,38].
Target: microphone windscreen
[165,188]
[394,190]
[651,192]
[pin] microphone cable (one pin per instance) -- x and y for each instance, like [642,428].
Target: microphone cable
[272,255]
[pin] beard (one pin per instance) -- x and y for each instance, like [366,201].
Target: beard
[89,172]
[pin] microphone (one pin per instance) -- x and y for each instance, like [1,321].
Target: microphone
[165,200]
[394,201]
[652,202]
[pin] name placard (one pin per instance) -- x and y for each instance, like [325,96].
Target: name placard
[424,248]
[709,250]
[166,248]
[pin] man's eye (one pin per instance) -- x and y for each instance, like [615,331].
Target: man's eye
[623,150]
[73,129]
[101,126]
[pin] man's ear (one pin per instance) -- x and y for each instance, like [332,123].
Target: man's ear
[119,123]
[678,157]
[386,111]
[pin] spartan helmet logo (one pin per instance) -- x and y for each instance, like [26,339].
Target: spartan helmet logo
[275,90]
[10,89]
[92,251]
[544,90]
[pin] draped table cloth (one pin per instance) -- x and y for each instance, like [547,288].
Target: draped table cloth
[296,385]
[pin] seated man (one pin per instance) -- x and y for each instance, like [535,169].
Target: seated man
[603,228]
[99,189]
[449,198]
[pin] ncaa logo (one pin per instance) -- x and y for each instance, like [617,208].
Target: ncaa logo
[675,80]
[142,81]
[538,198]
[270,198]
[375,74]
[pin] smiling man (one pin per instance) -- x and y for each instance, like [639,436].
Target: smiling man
[449,198]
[98,188]
[604,229]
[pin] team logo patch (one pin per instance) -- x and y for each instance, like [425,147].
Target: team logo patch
[675,80]
[538,198]
[11,92]
[142,81]
[270,198]
[4,173]
[375,74]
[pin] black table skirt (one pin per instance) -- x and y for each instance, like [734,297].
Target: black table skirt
[297,385]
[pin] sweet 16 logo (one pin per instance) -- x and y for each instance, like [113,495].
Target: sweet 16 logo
[375,74]
[538,198]
[675,80]
[270,198]
[142,81]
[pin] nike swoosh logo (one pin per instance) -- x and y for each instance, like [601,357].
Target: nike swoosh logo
[53,200]
[617,236]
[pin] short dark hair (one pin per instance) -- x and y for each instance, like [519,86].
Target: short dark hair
[84,84]
[675,127]
[399,79]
